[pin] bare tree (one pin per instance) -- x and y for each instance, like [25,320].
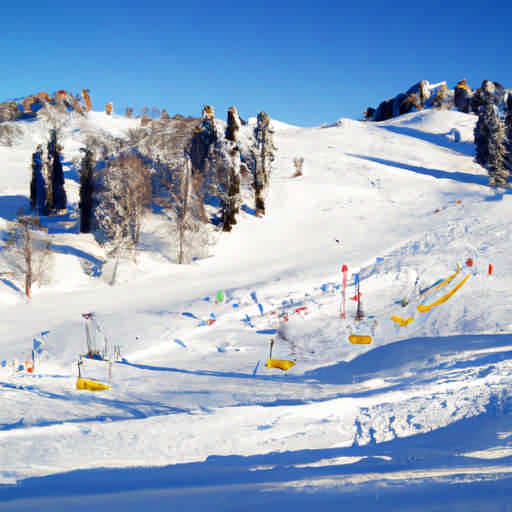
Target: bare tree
[123,198]
[28,251]
[182,201]
[185,206]
[298,163]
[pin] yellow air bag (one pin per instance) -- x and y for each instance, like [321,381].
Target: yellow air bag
[360,339]
[90,385]
[282,364]
[430,292]
[422,308]
[402,322]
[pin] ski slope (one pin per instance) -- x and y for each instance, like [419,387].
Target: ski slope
[195,418]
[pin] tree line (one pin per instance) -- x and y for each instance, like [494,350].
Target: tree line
[187,167]
[493,135]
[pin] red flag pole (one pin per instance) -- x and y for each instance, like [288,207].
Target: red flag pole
[344,269]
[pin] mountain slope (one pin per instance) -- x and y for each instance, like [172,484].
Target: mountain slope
[406,203]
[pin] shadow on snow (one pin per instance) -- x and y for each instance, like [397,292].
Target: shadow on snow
[418,355]
[461,177]
[439,139]
[295,480]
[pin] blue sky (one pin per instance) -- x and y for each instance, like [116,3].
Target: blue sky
[303,63]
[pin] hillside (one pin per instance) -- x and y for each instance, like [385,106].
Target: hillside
[195,416]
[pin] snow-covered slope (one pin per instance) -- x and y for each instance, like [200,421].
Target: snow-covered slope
[401,203]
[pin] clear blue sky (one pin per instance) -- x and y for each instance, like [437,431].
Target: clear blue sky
[303,63]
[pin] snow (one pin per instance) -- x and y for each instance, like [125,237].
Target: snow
[195,419]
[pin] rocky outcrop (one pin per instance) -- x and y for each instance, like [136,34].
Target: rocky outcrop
[439,97]
[462,96]
[410,103]
[9,111]
[422,95]
[385,110]
[87,98]
[422,92]
[30,105]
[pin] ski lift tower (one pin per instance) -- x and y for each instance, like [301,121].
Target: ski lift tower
[92,331]
[359,311]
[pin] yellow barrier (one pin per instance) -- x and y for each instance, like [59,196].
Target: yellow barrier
[422,308]
[428,293]
[360,339]
[402,322]
[90,385]
[282,364]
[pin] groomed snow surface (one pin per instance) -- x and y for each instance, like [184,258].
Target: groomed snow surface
[418,420]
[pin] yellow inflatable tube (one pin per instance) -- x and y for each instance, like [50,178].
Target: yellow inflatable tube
[360,339]
[422,308]
[430,292]
[402,322]
[282,364]
[90,385]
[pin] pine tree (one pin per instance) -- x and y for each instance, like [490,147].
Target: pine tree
[508,131]
[490,142]
[55,193]
[481,134]
[498,171]
[37,183]
[86,190]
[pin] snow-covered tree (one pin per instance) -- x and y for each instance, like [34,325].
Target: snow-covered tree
[178,195]
[37,183]
[231,196]
[28,251]
[508,130]
[262,156]
[481,135]
[47,193]
[206,155]
[490,142]
[498,171]
[86,190]
[122,200]
[56,195]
